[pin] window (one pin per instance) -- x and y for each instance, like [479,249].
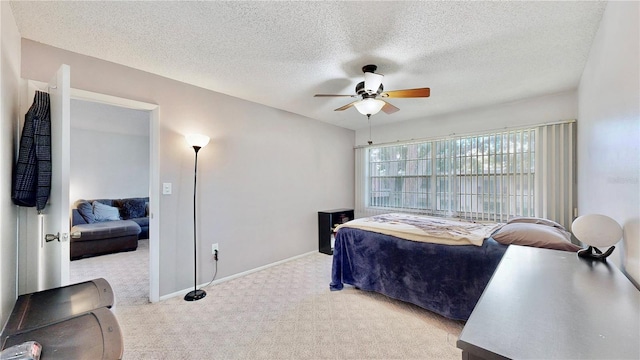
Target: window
[492,176]
[400,176]
[488,176]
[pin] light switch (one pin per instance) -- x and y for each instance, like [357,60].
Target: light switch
[166,188]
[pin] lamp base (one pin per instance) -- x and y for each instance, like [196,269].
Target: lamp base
[195,295]
[595,253]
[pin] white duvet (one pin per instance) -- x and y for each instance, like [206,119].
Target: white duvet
[426,228]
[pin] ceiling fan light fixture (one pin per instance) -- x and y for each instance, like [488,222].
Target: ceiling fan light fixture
[372,82]
[369,106]
[371,88]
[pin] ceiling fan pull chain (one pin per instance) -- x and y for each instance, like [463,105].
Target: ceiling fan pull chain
[369,119]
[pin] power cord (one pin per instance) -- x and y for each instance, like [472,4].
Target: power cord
[215,257]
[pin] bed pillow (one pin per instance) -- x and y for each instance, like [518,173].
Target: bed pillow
[535,220]
[104,212]
[535,235]
[86,211]
[132,208]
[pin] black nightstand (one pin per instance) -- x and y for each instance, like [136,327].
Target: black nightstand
[327,220]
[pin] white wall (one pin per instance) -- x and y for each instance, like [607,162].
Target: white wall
[9,113]
[261,180]
[109,152]
[609,128]
[550,108]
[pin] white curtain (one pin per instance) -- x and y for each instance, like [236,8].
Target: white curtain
[556,172]
[362,183]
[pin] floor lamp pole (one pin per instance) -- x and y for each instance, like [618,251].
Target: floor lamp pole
[195,294]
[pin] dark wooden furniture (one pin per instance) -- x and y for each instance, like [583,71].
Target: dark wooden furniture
[550,304]
[327,220]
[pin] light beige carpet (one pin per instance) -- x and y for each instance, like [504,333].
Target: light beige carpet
[283,312]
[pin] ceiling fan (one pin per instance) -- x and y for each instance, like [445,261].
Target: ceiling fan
[371,89]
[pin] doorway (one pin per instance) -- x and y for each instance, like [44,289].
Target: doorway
[148,130]
[109,159]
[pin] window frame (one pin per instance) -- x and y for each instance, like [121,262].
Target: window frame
[443,173]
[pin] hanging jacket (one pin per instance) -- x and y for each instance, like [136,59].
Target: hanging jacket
[32,173]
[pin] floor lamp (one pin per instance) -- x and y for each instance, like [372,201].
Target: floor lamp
[197,142]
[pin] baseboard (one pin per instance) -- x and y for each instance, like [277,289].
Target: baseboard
[235,276]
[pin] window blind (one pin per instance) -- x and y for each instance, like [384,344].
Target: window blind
[492,176]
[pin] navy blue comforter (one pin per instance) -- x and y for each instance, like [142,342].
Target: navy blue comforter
[445,279]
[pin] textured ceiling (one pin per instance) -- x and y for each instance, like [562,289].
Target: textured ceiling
[282,53]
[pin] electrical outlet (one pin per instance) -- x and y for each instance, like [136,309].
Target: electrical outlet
[214,248]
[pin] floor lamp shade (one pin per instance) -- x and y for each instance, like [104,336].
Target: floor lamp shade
[197,141]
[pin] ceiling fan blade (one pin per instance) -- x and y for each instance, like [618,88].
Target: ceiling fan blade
[407,93]
[332,95]
[388,108]
[346,106]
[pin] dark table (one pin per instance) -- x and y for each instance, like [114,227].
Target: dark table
[550,304]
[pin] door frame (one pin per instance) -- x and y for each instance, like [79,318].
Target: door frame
[154,176]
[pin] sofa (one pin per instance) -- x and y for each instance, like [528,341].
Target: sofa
[105,226]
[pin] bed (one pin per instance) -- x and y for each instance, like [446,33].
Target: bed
[443,269]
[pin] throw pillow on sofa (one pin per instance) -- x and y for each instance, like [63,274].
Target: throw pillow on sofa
[104,212]
[86,211]
[132,208]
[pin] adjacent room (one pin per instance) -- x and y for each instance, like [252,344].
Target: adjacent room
[320,180]
[109,162]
